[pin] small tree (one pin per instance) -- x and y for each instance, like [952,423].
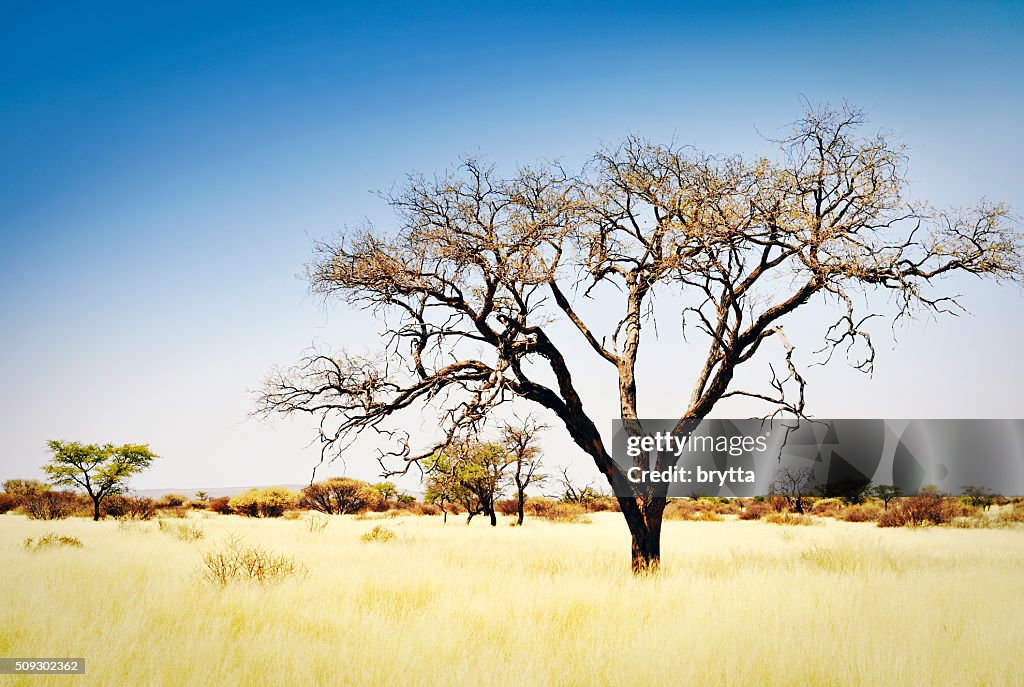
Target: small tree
[520,440]
[471,473]
[99,470]
[341,496]
[794,484]
[981,497]
[886,492]
[271,502]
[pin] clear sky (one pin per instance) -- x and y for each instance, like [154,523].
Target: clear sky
[164,172]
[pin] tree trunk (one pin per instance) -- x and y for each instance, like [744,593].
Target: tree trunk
[521,507]
[469,518]
[494,519]
[95,509]
[644,521]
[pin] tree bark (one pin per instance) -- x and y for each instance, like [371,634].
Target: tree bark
[95,509]
[644,519]
[521,507]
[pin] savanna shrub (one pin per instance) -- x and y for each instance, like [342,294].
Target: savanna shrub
[8,502]
[927,507]
[128,508]
[171,501]
[271,502]
[1013,514]
[55,505]
[221,505]
[827,508]
[238,563]
[865,512]
[341,496]
[600,504]
[507,507]
[687,509]
[182,531]
[755,510]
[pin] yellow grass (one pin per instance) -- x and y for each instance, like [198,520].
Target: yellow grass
[739,603]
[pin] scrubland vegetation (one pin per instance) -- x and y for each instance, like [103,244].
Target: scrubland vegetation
[394,598]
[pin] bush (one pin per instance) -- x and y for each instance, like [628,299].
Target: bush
[238,563]
[1013,514]
[755,510]
[271,502]
[507,507]
[8,502]
[20,488]
[927,507]
[55,505]
[866,512]
[128,508]
[50,541]
[601,504]
[679,509]
[221,505]
[378,534]
[341,496]
[828,508]
[171,501]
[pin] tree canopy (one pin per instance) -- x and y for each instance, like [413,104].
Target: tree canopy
[100,470]
[480,267]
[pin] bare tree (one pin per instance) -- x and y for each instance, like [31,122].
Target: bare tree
[480,266]
[794,484]
[521,442]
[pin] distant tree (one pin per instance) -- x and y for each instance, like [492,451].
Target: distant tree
[444,487]
[886,492]
[99,470]
[521,442]
[387,490]
[473,474]
[794,484]
[981,497]
[572,493]
[851,490]
[202,496]
[270,502]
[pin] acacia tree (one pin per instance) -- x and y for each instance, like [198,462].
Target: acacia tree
[521,441]
[470,473]
[481,268]
[99,470]
[794,484]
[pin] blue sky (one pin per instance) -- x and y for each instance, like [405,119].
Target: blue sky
[165,172]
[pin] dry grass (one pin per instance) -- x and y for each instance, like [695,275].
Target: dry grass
[739,603]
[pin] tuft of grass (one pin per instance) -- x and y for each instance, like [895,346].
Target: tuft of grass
[317,523]
[51,541]
[182,531]
[789,519]
[378,534]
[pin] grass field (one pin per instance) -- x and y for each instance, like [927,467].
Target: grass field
[738,603]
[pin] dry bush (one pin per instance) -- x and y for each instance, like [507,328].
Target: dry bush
[600,504]
[8,502]
[428,509]
[828,508]
[788,519]
[128,508]
[51,541]
[342,496]
[755,510]
[680,509]
[176,512]
[171,501]
[566,513]
[1013,514]
[56,505]
[507,507]
[252,564]
[927,507]
[182,531]
[271,502]
[865,512]
[221,505]
[378,535]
